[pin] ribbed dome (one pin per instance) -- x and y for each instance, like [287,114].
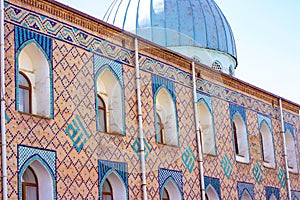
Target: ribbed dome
[173,23]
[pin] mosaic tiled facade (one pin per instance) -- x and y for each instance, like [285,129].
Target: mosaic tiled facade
[81,155]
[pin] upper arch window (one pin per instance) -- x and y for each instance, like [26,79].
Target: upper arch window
[33,64]
[240,139]
[109,103]
[267,146]
[291,152]
[101,114]
[165,195]
[216,65]
[25,91]
[165,118]
[207,128]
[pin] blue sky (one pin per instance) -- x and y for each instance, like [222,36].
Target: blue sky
[267,35]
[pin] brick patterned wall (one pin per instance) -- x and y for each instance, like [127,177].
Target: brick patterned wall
[77,169]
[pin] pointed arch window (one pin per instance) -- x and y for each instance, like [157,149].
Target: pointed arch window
[29,185]
[35,68]
[217,66]
[267,146]
[207,129]
[165,116]
[165,195]
[291,152]
[101,114]
[107,192]
[240,139]
[25,92]
[109,104]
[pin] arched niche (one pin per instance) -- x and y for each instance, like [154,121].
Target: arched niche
[240,139]
[165,109]
[32,61]
[267,145]
[109,89]
[291,152]
[211,193]
[172,189]
[117,185]
[207,129]
[46,186]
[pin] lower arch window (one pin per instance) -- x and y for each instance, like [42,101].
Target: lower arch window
[165,118]
[165,195]
[240,139]
[107,193]
[30,188]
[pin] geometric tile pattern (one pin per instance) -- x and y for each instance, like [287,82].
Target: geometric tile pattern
[27,155]
[289,127]
[165,175]
[79,134]
[206,99]
[73,72]
[158,82]
[226,166]
[137,147]
[102,62]
[243,187]
[214,182]
[7,117]
[257,173]
[189,159]
[74,35]
[281,177]
[24,35]
[272,191]
[108,167]
[234,110]
[117,167]
[267,120]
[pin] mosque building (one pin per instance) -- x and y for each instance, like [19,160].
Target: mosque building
[143,104]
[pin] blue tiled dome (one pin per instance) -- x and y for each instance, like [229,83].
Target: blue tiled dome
[173,23]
